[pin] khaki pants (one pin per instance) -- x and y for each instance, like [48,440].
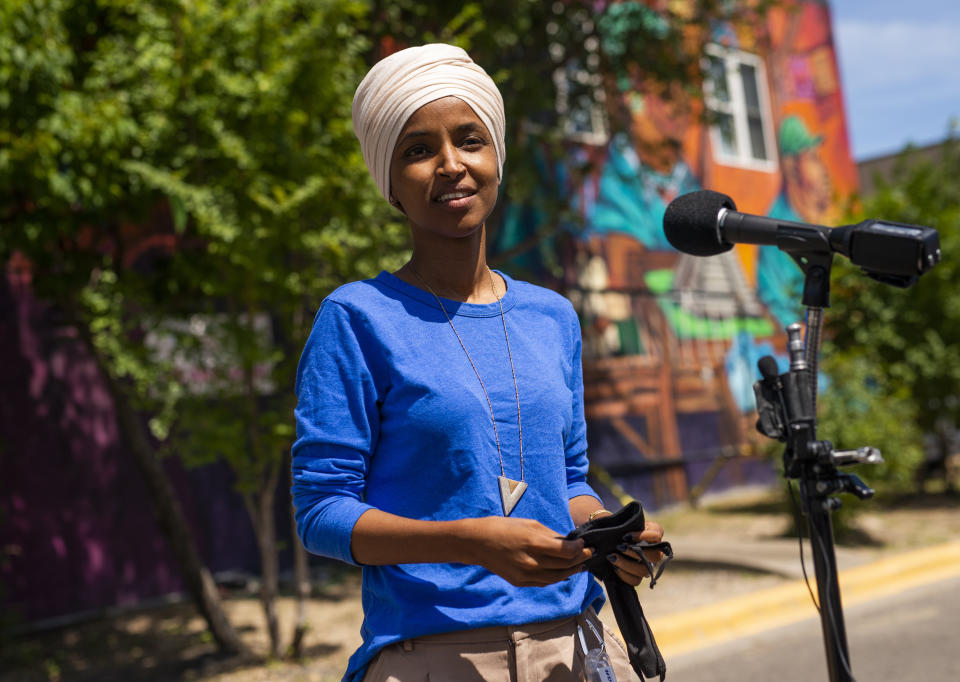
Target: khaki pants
[536,652]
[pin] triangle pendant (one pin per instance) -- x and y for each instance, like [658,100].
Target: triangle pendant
[510,493]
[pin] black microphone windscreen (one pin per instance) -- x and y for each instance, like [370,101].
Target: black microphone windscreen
[768,368]
[690,222]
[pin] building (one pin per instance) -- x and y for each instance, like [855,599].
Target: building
[671,341]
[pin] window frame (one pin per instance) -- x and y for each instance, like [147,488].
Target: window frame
[599,132]
[736,108]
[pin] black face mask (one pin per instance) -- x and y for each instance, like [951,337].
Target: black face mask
[607,535]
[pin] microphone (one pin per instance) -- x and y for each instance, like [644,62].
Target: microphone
[706,223]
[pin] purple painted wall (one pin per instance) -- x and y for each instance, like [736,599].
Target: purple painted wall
[76,528]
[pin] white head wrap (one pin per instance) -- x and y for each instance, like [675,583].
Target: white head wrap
[402,83]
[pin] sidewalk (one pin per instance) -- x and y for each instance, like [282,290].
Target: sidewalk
[745,577]
[736,571]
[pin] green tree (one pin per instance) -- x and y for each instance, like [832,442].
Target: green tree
[893,354]
[65,130]
[223,127]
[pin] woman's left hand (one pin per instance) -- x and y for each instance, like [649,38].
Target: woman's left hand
[627,564]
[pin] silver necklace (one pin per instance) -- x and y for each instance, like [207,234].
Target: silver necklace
[510,490]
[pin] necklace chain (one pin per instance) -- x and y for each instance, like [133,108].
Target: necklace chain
[506,337]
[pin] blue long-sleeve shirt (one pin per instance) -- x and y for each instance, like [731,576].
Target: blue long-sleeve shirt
[391,416]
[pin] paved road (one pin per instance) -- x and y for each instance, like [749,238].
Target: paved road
[911,636]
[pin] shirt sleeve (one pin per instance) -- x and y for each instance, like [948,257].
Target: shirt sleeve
[337,426]
[576,444]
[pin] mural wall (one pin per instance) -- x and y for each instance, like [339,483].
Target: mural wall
[670,340]
[77,533]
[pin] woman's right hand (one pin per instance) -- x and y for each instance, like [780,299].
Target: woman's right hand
[523,552]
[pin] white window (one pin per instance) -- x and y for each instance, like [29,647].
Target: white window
[735,90]
[580,104]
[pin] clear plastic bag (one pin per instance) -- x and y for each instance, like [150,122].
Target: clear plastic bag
[598,666]
[596,662]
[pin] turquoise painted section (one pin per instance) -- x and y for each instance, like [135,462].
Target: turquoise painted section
[779,279]
[633,197]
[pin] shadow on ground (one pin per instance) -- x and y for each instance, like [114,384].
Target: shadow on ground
[949,499]
[849,526]
[161,643]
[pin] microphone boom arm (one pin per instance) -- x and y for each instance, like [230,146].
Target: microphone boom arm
[808,245]
[705,223]
[743,228]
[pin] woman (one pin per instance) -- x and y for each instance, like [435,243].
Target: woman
[440,431]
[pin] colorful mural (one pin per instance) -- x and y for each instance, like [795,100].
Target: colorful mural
[670,340]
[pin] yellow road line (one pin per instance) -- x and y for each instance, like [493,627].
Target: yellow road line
[762,610]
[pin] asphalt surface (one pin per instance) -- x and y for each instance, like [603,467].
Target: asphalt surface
[907,635]
[737,608]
